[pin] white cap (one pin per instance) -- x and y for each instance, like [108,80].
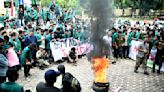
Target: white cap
[41,46]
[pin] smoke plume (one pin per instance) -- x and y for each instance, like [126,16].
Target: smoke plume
[102,16]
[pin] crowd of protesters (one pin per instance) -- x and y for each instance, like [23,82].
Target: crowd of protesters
[26,43]
[149,34]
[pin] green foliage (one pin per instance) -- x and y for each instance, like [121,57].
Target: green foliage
[45,2]
[62,3]
[68,3]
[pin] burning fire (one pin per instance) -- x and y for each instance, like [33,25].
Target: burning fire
[100,66]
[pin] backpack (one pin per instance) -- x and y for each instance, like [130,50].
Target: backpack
[70,83]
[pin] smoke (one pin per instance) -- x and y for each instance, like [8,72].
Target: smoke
[102,15]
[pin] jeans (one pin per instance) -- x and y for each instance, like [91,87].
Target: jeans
[125,51]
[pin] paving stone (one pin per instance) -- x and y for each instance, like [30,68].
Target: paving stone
[120,75]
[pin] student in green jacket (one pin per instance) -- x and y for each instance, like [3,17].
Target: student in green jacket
[11,85]
[16,43]
[26,58]
[38,36]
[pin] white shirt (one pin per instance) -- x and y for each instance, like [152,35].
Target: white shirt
[108,40]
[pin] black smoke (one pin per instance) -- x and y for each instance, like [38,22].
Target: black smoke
[102,19]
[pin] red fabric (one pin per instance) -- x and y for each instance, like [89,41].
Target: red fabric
[12,5]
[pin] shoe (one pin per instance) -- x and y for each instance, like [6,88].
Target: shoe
[158,72]
[135,71]
[146,73]
[114,62]
[27,79]
[29,74]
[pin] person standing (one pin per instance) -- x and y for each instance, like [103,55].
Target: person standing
[3,63]
[108,41]
[158,58]
[143,52]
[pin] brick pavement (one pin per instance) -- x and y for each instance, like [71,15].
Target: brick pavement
[120,75]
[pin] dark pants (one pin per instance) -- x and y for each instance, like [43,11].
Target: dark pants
[27,70]
[125,51]
[116,52]
[157,62]
[16,68]
[120,52]
[2,79]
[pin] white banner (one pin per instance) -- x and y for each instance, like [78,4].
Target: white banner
[134,49]
[61,48]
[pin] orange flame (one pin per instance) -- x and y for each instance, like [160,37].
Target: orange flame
[100,66]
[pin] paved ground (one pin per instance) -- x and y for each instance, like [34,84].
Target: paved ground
[120,75]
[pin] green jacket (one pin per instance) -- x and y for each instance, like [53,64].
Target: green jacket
[48,39]
[11,87]
[17,45]
[34,14]
[26,54]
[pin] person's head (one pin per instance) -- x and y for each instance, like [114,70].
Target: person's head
[13,36]
[41,48]
[46,30]
[33,46]
[38,30]
[51,76]
[12,75]
[114,29]
[146,38]
[1,42]
[42,32]
[31,33]
[61,69]
[20,32]
[51,31]
[73,49]
[109,33]
[6,38]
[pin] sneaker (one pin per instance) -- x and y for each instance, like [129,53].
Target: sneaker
[29,74]
[146,73]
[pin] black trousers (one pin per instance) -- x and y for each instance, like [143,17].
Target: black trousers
[158,61]
[116,52]
[125,51]
[2,79]
[27,70]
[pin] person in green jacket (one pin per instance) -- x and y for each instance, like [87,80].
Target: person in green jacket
[16,43]
[11,85]
[38,36]
[27,17]
[137,34]
[67,34]
[77,34]
[26,58]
